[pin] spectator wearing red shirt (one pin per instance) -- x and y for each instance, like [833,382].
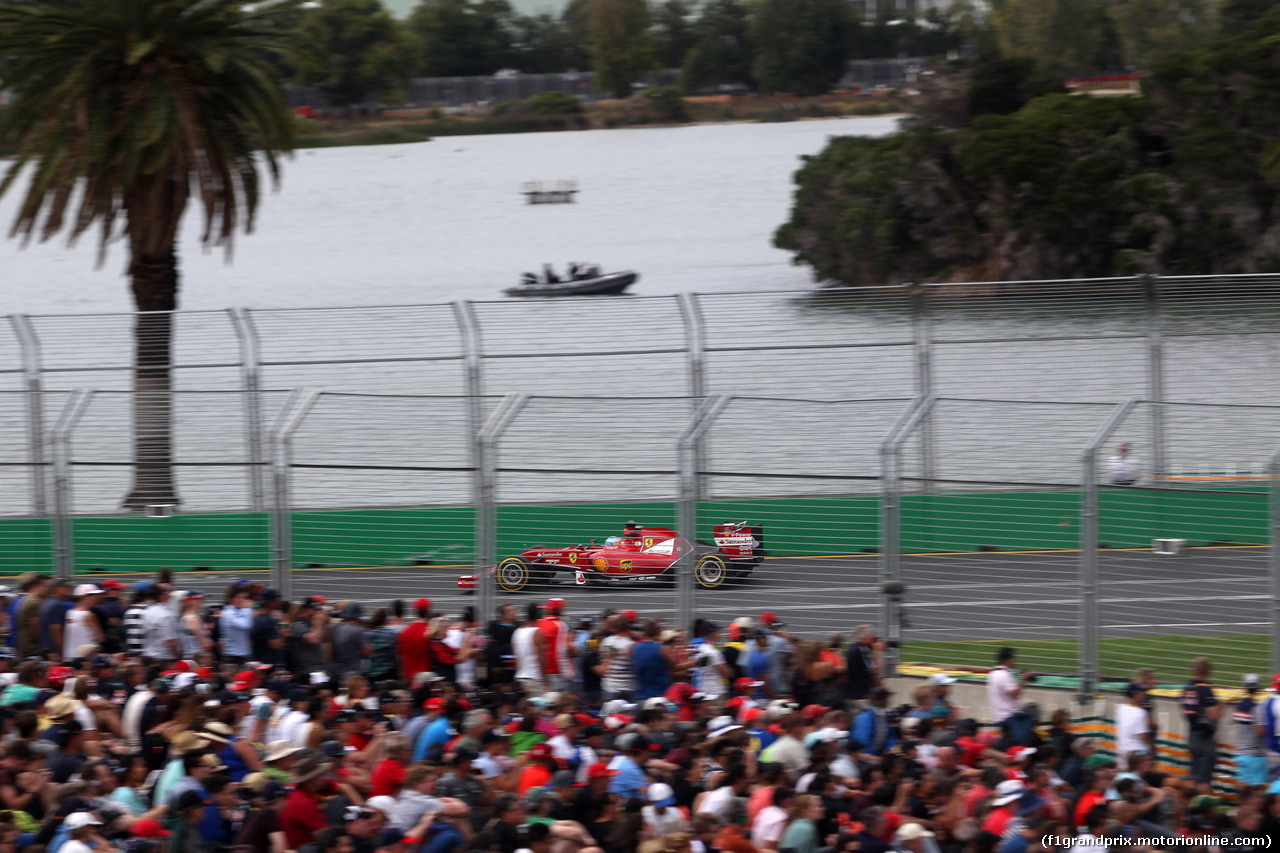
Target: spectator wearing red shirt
[1008,793]
[388,774]
[557,668]
[414,644]
[539,769]
[302,816]
[1100,772]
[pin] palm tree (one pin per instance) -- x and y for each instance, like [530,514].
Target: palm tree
[124,110]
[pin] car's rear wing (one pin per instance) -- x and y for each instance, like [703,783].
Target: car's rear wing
[739,540]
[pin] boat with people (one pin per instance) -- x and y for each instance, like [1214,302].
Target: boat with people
[580,280]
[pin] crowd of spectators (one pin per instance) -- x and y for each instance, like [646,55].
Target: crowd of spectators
[148,718]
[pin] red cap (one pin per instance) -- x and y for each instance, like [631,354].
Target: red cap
[245,679]
[539,752]
[813,712]
[422,604]
[555,604]
[630,615]
[1275,682]
[1017,753]
[513,727]
[600,771]
[183,666]
[680,692]
[745,683]
[204,673]
[435,703]
[59,674]
[148,828]
[112,584]
[734,706]
[752,714]
[769,617]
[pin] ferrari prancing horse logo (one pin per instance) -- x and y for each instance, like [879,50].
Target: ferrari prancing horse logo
[573,558]
[648,542]
[625,565]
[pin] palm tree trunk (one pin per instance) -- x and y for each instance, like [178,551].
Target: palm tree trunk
[155,295]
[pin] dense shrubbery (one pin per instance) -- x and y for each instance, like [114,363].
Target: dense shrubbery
[994,181]
[554,103]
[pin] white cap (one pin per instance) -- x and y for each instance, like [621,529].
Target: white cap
[1007,791]
[938,679]
[75,820]
[384,804]
[911,832]
[661,794]
[85,589]
[319,677]
[721,726]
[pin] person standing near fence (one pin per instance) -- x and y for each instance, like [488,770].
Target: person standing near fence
[1251,755]
[1003,687]
[1123,468]
[1201,710]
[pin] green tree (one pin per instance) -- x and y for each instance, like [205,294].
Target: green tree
[124,110]
[545,44]
[462,38]
[1149,29]
[1063,36]
[621,45]
[721,52]
[673,32]
[801,46]
[354,50]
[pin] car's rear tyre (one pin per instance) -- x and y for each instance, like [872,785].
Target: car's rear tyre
[710,571]
[513,574]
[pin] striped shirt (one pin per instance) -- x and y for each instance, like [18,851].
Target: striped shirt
[1247,715]
[618,678]
[134,633]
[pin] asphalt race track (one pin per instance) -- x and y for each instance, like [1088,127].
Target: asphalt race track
[976,596]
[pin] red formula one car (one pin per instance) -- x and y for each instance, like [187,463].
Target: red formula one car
[639,555]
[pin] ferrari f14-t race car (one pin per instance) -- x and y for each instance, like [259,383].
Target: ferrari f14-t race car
[639,555]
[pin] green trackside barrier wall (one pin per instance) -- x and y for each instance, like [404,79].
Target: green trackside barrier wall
[793,527]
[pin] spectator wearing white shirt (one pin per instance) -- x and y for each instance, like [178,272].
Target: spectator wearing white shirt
[1003,688]
[1122,468]
[160,629]
[236,623]
[1133,726]
[766,830]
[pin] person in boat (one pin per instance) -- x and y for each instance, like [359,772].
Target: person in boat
[550,274]
[529,278]
[575,271]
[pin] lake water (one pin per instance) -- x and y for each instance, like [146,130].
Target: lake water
[691,208]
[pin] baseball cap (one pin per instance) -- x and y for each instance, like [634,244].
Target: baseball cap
[1251,680]
[1007,791]
[539,752]
[661,795]
[112,583]
[721,726]
[555,604]
[600,770]
[194,593]
[1098,760]
[314,601]
[770,618]
[85,589]
[630,615]
[76,820]
[422,604]
[940,679]
[435,703]
[148,828]
[346,715]
[269,595]
[745,683]
[911,832]
[383,803]
[1019,753]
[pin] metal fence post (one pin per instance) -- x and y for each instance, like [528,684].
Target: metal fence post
[472,361]
[695,334]
[64,551]
[922,332]
[486,475]
[1155,374]
[287,423]
[251,385]
[1273,559]
[1090,644]
[688,460]
[892,588]
[32,384]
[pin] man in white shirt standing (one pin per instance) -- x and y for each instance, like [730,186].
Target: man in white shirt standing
[1122,468]
[766,830]
[1133,726]
[1003,687]
[160,629]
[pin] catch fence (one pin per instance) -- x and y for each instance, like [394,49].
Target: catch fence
[932,461]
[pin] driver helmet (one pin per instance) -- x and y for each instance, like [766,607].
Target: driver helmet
[611,541]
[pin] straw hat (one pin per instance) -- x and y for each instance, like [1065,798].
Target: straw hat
[59,706]
[184,741]
[217,732]
[279,749]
